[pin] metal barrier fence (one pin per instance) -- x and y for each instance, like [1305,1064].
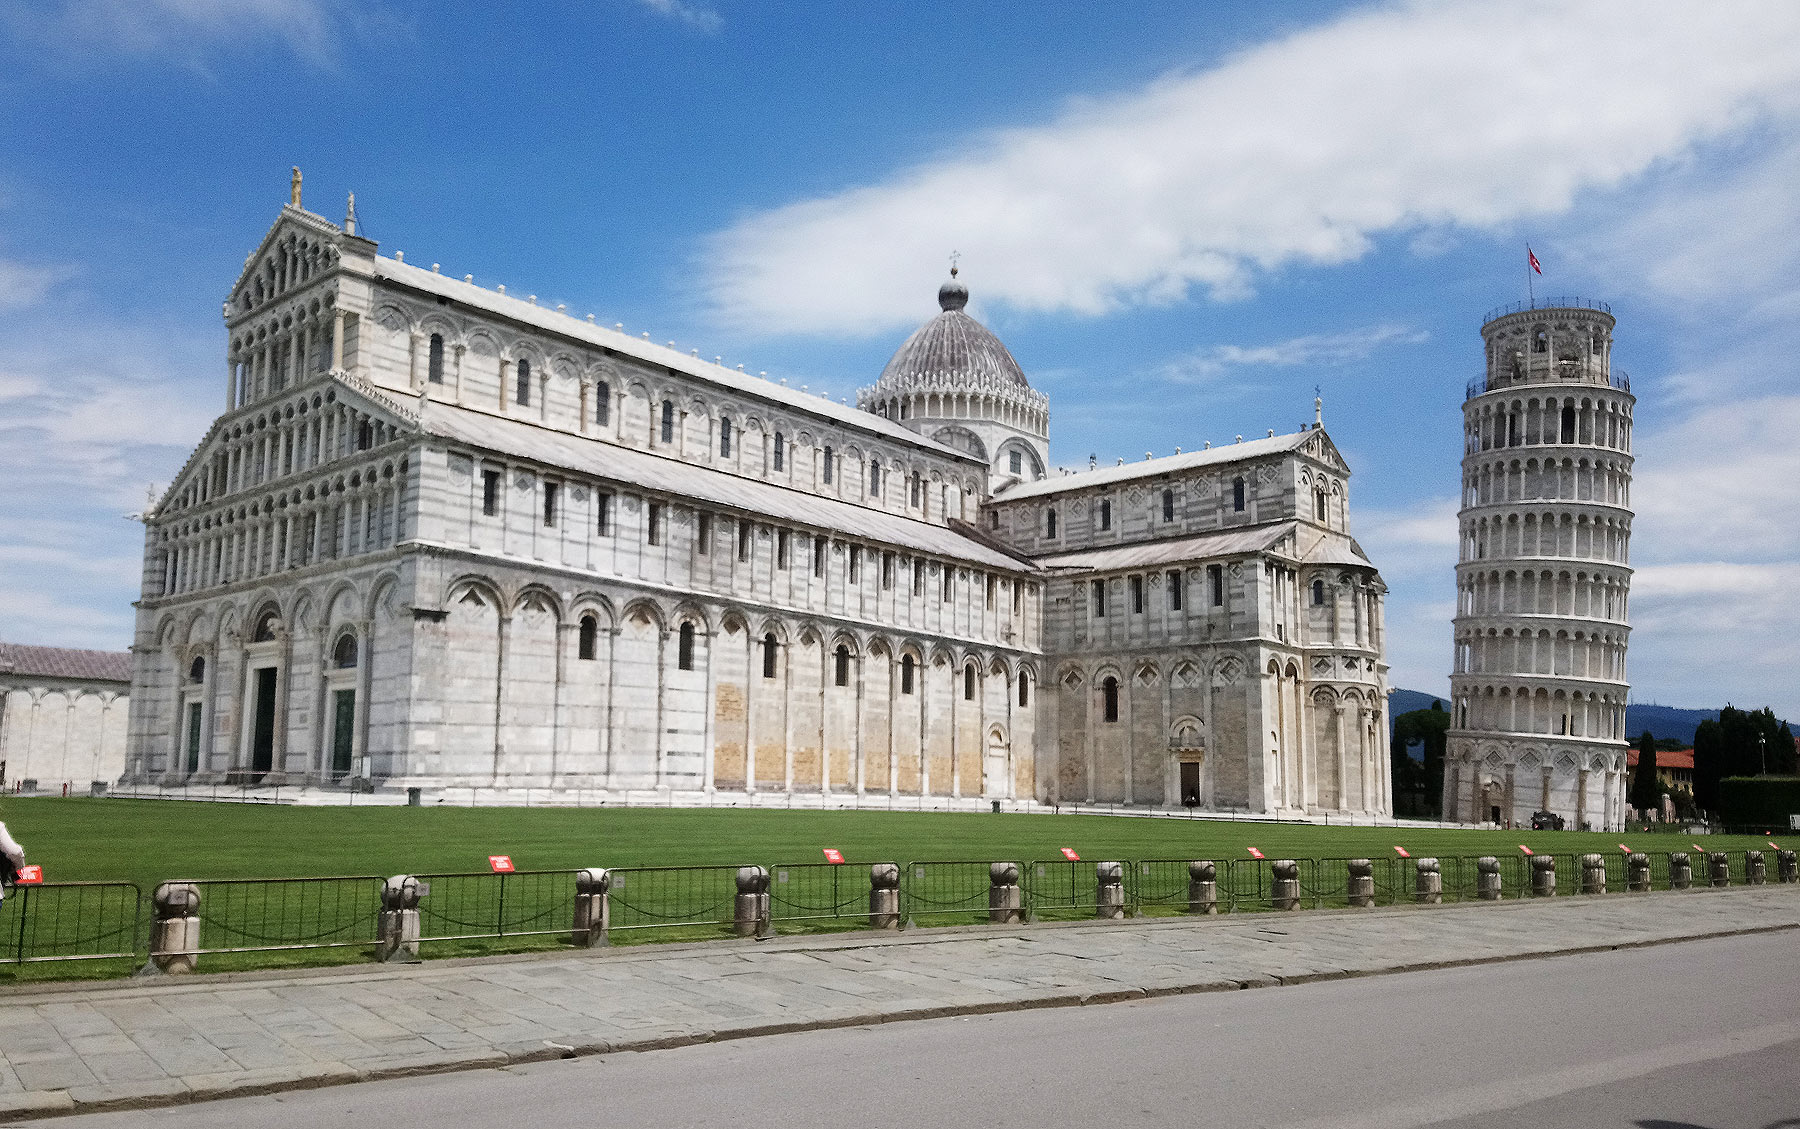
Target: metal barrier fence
[819,894]
[71,921]
[945,892]
[1060,889]
[482,905]
[695,899]
[255,915]
[1160,886]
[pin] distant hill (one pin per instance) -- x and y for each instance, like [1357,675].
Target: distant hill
[1663,722]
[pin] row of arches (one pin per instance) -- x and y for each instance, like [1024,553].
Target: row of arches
[1587,595]
[1026,409]
[289,262]
[1500,782]
[284,347]
[1576,536]
[1561,654]
[1510,708]
[1570,480]
[1529,421]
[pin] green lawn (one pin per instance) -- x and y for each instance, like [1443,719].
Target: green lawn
[148,841]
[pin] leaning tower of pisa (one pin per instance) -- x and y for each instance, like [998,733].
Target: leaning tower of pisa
[1538,684]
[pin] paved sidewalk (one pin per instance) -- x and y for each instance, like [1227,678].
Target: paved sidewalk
[148,1042]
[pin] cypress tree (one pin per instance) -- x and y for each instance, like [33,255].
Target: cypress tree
[1646,789]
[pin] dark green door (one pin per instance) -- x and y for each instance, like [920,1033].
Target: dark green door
[262,734]
[343,731]
[193,737]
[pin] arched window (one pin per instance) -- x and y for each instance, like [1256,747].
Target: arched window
[1540,342]
[1109,695]
[523,392]
[830,459]
[724,437]
[1105,514]
[265,628]
[1237,494]
[343,655]
[1568,423]
[590,631]
[906,674]
[668,421]
[1024,689]
[602,403]
[1050,522]
[841,671]
[874,478]
[1318,593]
[197,671]
[769,653]
[780,450]
[1319,505]
[434,365]
[1168,500]
[684,652]
[969,683]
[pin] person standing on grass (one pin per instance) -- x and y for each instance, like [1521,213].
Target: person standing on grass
[12,857]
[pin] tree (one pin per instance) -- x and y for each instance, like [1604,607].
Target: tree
[1419,787]
[1739,743]
[1708,765]
[1646,789]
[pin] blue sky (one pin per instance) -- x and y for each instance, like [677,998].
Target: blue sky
[1179,222]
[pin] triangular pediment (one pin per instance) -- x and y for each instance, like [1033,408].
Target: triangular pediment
[1319,446]
[299,247]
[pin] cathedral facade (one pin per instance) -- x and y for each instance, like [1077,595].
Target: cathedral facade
[445,538]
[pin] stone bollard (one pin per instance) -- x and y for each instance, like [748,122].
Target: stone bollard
[1006,903]
[884,896]
[593,910]
[1786,868]
[1487,879]
[397,933]
[1543,876]
[1109,890]
[1718,868]
[1203,887]
[1361,885]
[1681,870]
[1428,882]
[1637,872]
[1593,874]
[1284,890]
[1756,872]
[175,935]
[750,910]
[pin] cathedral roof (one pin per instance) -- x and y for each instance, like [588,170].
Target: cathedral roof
[1149,554]
[1321,447]
[952,347]
[62,662]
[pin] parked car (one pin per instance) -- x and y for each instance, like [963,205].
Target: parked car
[1546,821]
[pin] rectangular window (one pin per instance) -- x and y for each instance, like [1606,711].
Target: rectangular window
[855,563]
[602,403]
[523,392]
[1174,580]
[490,492]
[704,537]
[724,437]
[1097,598]
[1015,462]
[1050,524]
[887,570]
[992,582]
[914,490]
[603,514]
[780,449]
[993,519]
[949,579]
[1018,588]
[818,556]
[653,523]
[874,479]
[743,539]
[668,421]
[781,549]
[828,466]
[918,576]
[550,503]
[1137,595]
[1215,581]
[1105,515]
[1168,504]
[434,364]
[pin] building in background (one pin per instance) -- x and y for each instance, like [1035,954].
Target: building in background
[445,538]
[62,718]
[1538,682]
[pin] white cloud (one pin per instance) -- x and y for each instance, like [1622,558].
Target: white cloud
[1403,118]
[80,29]
[23,284]
[1209,364]
[696,16]
[1720,480]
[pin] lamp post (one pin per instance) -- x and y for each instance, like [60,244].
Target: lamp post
[1762,746]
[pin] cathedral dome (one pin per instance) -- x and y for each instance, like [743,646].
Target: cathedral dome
[952,348]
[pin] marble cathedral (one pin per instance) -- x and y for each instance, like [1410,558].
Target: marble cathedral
[445,538]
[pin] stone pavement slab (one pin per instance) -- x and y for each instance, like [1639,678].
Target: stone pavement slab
[75,1048]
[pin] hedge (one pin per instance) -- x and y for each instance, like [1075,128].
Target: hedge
[1759,800]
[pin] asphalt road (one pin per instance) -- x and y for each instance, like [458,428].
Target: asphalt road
[1702,1033]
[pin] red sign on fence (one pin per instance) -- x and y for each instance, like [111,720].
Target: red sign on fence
[1254,853]
[1401,851]
[1624,848]
[31,876]
[501,864]
[1069,853]
[833,855]
[1698,847]
[1524,848]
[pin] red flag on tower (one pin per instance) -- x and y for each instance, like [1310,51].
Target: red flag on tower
[1532,255]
